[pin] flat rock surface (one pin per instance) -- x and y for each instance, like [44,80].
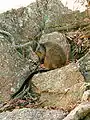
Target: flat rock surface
[60,87]
[32,114]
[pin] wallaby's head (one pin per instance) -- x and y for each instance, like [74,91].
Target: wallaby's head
[39,49]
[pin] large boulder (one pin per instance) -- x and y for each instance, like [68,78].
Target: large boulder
[54,17]
[21,23]
[27,23]
[13,68]
[61,87]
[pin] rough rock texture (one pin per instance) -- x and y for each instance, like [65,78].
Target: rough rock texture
[27,23]
[57,38]
[60,87]
[54,13]
[13,67]
[86,95]
[33,114]
[84,63]
[21,23]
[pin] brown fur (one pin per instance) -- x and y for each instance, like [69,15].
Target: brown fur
[53,56]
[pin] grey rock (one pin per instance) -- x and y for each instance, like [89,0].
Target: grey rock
[84,64]
[55,11]
[33,114]
[13,68]
[21,23]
